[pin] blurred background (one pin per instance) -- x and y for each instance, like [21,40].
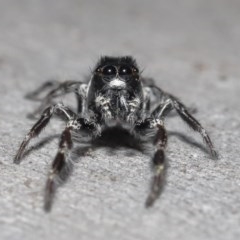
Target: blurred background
[67,37]
[191,48]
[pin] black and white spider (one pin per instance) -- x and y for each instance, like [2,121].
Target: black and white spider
[117,96]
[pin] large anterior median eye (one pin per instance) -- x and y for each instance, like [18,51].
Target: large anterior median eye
[109,70]
[125,70]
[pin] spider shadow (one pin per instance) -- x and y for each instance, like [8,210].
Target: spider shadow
[188,140]
[40,144]
[112,139]
[115,138]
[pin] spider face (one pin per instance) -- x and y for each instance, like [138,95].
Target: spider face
[116,73]
[116,81]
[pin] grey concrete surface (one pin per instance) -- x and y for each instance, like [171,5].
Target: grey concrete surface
[191,48]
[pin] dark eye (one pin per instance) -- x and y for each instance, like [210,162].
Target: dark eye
[125,70]
[109,70]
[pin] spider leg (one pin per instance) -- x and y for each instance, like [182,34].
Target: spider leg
[58,109]
[63,162]
[60,167]
[158,159]
[60,89]
[195,125]
[169,103]
[34,95]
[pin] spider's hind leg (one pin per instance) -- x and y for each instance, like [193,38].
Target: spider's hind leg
[57,90]
[34,95]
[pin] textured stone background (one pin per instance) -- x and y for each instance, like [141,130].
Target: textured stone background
[192,48]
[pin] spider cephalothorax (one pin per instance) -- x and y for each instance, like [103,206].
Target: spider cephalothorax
[115,96]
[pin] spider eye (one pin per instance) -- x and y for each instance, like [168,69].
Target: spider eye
[125,70]
[109,70]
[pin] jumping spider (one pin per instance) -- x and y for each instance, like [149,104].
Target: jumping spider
[116,96]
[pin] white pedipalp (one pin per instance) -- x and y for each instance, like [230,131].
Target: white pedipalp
[123,102]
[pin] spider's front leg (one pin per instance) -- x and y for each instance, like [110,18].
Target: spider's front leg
[59,164]
[169,103]
[58,109]
[158,159]
[63,161]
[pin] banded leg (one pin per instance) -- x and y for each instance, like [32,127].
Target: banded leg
[162,110]
[34,95]
[60,89]
[158,160]
[60,168]
[160,143]
[195,125]
[57,109]
[62,164]
[170,103]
